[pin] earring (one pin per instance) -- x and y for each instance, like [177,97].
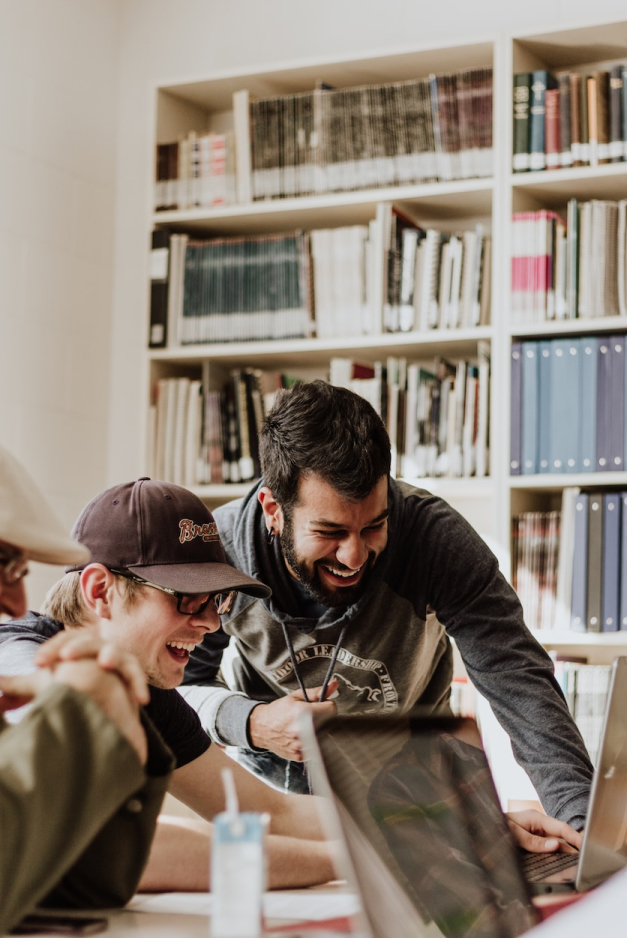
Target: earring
[271,536]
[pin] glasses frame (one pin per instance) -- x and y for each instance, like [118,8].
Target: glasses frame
[13,566]
[222,599]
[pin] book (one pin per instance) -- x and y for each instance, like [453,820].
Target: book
[563,398]
[541,80]
[522,93]
[587,404]
[159,287]
[552,138]
[565,119]
[516,404]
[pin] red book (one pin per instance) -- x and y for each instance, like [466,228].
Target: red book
[552,143]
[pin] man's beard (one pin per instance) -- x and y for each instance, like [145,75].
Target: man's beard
[310,578]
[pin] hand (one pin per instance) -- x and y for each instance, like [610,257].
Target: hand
[539,833]
[274,726]
[73,646]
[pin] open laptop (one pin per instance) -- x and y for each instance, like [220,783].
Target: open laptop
[429,850]
[604,847]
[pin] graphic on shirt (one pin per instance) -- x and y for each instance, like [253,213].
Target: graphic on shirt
[369,684]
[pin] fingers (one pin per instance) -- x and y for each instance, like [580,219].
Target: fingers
[19,689]
[72,646]
[313,693]
[539,833]
[112,658]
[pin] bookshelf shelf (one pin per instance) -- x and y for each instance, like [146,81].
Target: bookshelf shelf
[550,482]
[565,327]
[557,639]
[553,187]
[468,198]
[276,354]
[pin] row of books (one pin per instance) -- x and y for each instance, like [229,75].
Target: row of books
[229,289]
[335,139]
[571,268]
[569,567]
[569,119]
[428,279]
[585,687]
[201,435]
[197,171]
[535,555]
[390,276]
[568,405]
[437,419]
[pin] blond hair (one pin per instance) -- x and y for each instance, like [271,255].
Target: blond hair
[64,601]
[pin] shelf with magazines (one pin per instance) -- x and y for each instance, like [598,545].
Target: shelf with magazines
[339,217]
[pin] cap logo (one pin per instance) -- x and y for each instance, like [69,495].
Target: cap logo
[189,530]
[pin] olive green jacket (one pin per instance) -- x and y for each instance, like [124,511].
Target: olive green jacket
[77,810]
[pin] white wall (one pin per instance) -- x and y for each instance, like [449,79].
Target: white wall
[58,100]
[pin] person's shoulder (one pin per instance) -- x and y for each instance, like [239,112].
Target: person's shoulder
[33,627]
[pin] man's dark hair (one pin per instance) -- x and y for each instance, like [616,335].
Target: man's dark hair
[319,429]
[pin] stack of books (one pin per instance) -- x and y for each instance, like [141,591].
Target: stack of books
[573,268]
[535,556]
[569,119]
[197,171]
[585,687]
[390,276]
[568,405]
[437,419]
[338,139]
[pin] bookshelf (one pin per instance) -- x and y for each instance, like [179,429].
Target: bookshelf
[206,104]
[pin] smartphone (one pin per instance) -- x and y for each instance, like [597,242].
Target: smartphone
[59,925]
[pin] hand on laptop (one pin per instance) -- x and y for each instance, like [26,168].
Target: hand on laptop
[538,833]
[274,726]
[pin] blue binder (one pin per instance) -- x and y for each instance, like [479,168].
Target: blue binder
[578,603]
[587,403]
[623,562]
[610,436]
[515,408]
[530,408]
[611,561]
[545,429]
[564,405]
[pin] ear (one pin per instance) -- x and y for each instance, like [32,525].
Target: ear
[98,587]
[273,513]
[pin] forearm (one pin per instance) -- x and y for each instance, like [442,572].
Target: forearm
[181,850]
[223,713]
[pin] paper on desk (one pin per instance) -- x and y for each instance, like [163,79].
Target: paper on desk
[292,904]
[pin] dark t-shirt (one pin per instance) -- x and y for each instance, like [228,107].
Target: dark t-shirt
[176,721]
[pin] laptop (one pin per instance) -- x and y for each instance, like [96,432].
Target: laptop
[604,848]
[428,849]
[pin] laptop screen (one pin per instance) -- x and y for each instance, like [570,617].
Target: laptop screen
[416,795]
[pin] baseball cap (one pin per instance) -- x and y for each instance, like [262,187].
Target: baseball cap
[163,533]
[27,520]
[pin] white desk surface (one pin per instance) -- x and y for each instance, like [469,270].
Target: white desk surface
[187,915]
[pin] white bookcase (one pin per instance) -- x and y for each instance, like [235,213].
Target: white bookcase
[489,503]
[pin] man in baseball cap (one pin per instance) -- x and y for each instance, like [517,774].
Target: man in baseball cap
[156,584]
[62,826]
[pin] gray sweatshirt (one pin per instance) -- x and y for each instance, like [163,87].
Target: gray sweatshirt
[435,579]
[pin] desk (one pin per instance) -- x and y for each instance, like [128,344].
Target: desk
[170,915]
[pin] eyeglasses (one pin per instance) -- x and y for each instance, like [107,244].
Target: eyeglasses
[188,604]
[14,566]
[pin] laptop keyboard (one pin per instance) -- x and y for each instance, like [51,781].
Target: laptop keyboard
[537,866]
